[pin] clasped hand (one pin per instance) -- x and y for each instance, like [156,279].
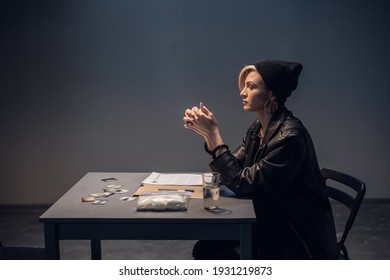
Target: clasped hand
[201,120]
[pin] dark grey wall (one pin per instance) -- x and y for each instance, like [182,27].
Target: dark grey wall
[102,85]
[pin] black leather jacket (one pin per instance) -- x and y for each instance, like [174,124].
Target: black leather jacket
[282,177]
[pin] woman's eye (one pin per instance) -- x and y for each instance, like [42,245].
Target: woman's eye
[251,86]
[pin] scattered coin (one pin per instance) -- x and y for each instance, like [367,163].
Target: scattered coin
[114,186]
[109,179]
[127,198]
[99,202]
[104,194]
[122,191]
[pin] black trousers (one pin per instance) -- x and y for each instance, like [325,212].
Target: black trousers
[215,250]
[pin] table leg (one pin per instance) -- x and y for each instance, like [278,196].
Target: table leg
[96,249]
[246,241]
[52,246]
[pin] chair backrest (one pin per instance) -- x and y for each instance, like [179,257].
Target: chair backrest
[352,201]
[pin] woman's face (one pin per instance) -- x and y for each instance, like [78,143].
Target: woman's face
[254,94]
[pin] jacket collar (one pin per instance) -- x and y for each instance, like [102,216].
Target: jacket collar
[277,118]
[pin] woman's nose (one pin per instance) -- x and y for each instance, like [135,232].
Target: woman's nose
[243,93]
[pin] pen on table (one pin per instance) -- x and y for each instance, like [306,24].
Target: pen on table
[155,179]
[175,190]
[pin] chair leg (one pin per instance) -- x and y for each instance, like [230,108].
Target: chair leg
[345,252]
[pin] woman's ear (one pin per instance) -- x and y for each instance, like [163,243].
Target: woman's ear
[272,96]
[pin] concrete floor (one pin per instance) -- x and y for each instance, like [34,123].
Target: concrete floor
[19,226]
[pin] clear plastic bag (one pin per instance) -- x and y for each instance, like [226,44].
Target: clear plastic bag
[163,201]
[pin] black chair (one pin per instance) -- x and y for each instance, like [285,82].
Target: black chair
[21,253]
[352,201]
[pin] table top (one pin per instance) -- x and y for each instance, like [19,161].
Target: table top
[70,208]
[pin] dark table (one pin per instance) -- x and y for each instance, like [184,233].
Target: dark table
[71,219]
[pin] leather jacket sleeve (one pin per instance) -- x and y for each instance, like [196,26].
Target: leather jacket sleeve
[274,167]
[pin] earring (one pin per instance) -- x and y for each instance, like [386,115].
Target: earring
[272,104]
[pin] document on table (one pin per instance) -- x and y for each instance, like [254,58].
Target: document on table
[176,179]
[172,182]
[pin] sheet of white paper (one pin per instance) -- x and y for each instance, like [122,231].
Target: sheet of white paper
[174,179]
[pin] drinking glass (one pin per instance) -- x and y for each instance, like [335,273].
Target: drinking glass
[211,190]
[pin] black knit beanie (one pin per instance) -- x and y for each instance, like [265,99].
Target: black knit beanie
[280,76]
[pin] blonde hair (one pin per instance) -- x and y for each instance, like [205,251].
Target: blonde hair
[243,74]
